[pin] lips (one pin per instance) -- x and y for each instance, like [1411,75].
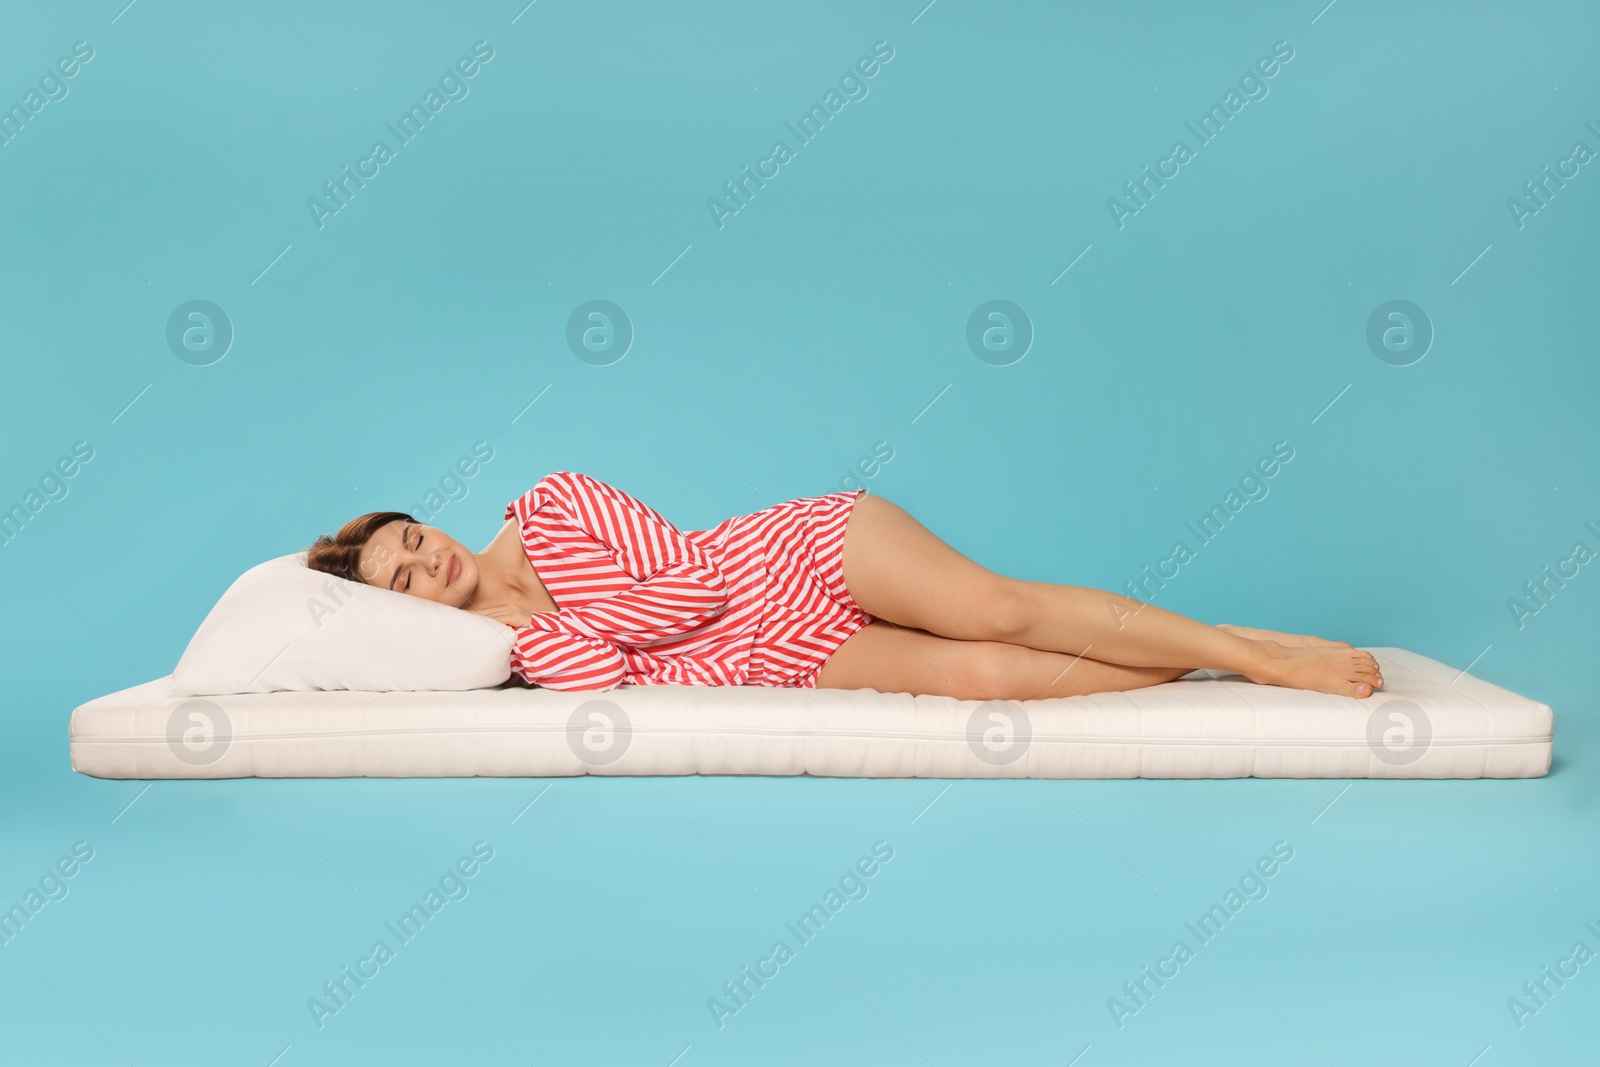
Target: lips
[452,570]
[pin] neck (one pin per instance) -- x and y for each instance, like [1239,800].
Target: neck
[503,571]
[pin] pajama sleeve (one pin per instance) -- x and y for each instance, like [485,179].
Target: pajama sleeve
[678,587]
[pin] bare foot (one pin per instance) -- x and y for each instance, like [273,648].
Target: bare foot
[1349,672]
[1288,640]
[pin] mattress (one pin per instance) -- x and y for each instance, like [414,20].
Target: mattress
[1429,721]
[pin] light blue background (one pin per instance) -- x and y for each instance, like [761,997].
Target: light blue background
[828,315]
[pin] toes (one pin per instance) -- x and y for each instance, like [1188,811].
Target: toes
[1360,690]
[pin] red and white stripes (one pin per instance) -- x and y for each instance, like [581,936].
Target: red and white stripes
[757,600]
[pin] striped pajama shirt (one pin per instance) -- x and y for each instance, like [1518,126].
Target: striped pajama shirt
[758,599]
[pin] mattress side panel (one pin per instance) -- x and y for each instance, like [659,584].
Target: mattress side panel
[1443,726]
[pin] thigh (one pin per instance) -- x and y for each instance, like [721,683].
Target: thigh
[900,659]
[898,570]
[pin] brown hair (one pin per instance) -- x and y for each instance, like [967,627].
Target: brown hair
[340,555]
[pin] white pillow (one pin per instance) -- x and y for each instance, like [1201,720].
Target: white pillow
[283,626]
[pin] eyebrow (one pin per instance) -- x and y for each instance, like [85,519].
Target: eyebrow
[405,538]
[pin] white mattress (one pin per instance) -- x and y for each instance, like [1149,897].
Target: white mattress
[1429,721]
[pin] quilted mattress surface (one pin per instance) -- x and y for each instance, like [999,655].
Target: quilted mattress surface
[1429,721]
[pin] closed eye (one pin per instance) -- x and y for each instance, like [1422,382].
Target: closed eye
[408,569]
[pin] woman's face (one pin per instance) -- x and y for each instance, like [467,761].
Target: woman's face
[410,557]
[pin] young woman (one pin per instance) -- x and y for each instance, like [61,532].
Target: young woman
[843,591]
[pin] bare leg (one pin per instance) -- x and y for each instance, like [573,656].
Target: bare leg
[1282,638]
[899,659]
[899,571]
[1120,629]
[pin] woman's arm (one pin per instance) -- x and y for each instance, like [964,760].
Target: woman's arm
[563,660]
[678,587]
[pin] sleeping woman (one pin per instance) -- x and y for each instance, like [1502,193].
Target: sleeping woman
[842,591]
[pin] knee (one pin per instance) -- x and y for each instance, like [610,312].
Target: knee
[1009,611]
[995,671]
